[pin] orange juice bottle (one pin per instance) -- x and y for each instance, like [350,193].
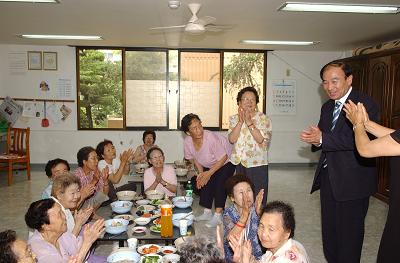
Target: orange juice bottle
[167,229]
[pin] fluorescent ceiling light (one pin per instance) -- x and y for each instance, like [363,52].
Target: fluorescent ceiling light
[340,8]
[32,1]
[272,42]
[64,37]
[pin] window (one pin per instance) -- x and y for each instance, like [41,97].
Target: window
[155,88]
[199,86]
[146,89]
[100,99]
[241,70]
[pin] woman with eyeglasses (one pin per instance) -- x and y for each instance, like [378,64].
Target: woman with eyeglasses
[250,131]
[159,176]
[14,250]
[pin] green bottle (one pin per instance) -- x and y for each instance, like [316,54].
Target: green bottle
[189,189]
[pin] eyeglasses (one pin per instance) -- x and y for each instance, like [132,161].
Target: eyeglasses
[248,100]
[157,157]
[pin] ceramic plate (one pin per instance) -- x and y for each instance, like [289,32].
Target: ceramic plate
[148,249]
[156,228]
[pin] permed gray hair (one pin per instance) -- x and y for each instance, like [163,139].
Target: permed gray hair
[200,249]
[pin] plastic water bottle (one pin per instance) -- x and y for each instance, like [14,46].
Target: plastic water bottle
[189,189]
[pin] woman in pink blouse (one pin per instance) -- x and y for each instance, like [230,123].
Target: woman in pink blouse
[159,176]
[51,242]
[210,152]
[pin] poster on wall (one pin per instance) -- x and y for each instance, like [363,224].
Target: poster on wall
[283,97]
[10,110]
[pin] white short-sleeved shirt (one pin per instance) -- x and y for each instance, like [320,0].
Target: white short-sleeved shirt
[112,169]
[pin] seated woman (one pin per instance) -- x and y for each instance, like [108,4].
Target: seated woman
[243,214]
[209,151]
[51,241]
[53,168]
[159,176]
[93,182]
[149,138]
[117,167]
[14,250]
[275,232]
[66,192]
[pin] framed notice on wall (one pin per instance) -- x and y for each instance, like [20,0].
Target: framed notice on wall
[283,97]
[34,60]
[49,60]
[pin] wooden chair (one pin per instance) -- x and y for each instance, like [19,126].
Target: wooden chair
[17,152]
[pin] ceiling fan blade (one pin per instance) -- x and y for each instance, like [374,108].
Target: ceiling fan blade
[166,27]
[205,20]
[217,28]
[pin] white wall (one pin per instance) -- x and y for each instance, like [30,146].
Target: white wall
[63,140]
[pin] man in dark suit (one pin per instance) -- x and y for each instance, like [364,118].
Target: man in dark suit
[346,179]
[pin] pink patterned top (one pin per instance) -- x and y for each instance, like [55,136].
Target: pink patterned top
[87,178]
[291,252]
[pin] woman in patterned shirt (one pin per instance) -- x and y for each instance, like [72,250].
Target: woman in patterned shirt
[250,131]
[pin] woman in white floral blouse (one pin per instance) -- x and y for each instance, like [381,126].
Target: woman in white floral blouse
[275,231]
[250,131]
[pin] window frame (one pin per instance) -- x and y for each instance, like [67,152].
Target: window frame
[166,128]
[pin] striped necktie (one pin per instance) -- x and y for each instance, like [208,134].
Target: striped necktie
[336,112]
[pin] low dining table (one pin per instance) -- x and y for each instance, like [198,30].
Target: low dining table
[148,235]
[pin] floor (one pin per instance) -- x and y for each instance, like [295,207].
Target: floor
[290,184]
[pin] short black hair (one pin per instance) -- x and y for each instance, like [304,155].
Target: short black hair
[187,120]
[83,154]
[337,64]
[145,133]
[53,163]
[7,239]
[37,216]
[152,149]
[287,212]
[236,179]
[244,90]
[100,148]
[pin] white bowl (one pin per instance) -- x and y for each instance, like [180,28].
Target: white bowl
[143,202]
[181,171]
[116,226]
[174,258]
[140,167]
[146,208]
[179,216]
[169,249]
[123,254]
[179,163]
[139,229]
[126,217]
[154,194]
[141,221]
[126,195]
[121,207]
[182,201]
[141,249]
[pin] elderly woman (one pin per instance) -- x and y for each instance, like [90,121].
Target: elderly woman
[14,250]
[51,242]
[149,138]
[66,192]
[387,143]
[243,214]
[53,168]
[93,181]
[250,131]
[209,151]
[118,168]
[199,249]
[159,176]
[275,232]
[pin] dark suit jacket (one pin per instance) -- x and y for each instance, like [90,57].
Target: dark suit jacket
[352,176]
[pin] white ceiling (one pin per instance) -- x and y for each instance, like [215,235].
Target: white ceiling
[126,22]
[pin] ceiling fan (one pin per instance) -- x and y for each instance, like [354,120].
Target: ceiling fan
[197,25]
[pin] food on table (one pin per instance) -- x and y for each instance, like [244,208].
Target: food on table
[150,259]
[168,251]
[157,221]
[150,250]
[116,224]
[147,215]
[156,228]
